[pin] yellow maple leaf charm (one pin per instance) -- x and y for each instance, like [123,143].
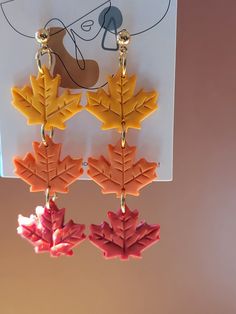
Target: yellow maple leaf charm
[120,105]
[41,103]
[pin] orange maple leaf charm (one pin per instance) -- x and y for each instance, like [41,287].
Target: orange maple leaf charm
[120,105]
[45,170]
[121,174]
[41,103]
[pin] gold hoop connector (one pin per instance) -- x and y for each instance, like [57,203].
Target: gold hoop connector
[123,135]
[123,39]
[122,202]
[47,196]
[42,36]
[42,51]
[43,134]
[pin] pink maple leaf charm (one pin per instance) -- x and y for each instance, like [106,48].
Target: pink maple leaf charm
[124,237]
[47,232]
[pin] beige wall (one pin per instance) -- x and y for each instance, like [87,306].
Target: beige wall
[193,269]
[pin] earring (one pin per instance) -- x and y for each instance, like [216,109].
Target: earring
[43,170]
[120,109]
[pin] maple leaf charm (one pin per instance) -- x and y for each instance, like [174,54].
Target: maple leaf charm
[44,170]
[120,105]
[121,174]
[124,237]
[41,103]
[47,232]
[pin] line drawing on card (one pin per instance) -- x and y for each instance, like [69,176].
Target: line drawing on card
[76,70]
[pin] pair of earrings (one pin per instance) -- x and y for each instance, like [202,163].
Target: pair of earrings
[118,108]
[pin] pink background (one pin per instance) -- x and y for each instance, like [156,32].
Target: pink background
[193,268]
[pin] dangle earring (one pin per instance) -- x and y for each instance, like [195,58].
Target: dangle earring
[43,170]
[119,108]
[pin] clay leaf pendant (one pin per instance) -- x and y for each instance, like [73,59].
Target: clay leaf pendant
[124,237]
[120,104]
[121,174]
[41,104]
[47,232]
[45,170]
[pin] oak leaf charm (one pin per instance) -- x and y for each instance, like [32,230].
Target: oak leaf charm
[120,105]
[44,170]
[124,237]
[47,233]
[121,174]
[41,103]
